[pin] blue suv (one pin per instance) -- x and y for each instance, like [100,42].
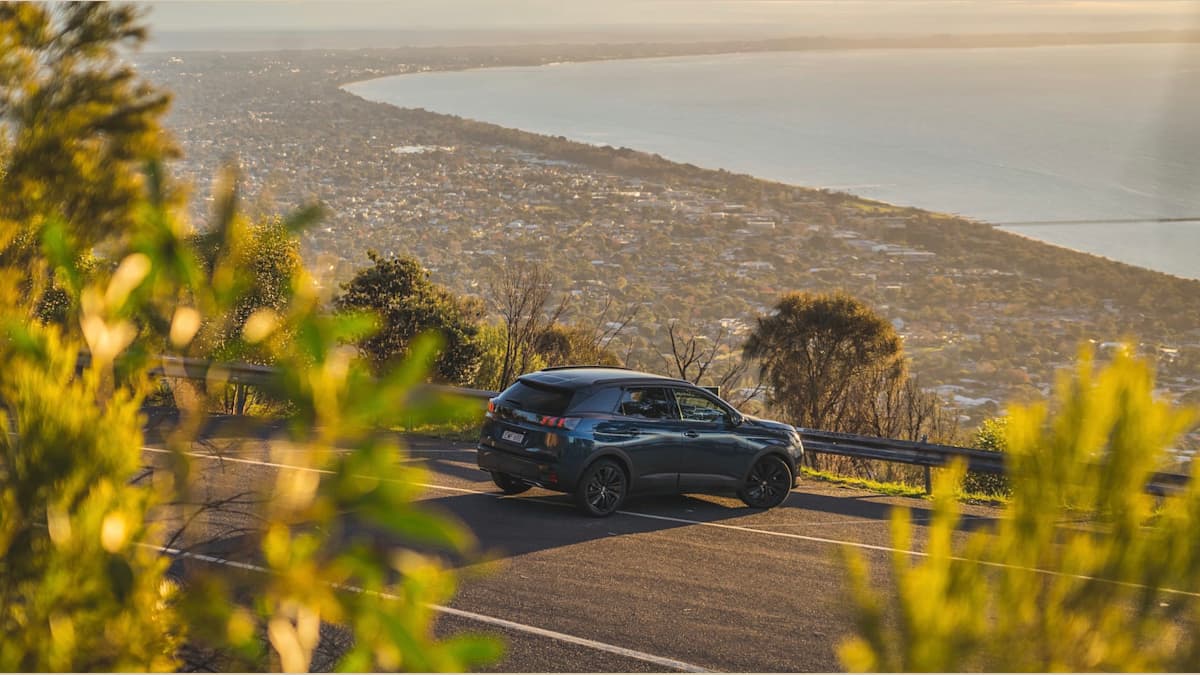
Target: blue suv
[602,434]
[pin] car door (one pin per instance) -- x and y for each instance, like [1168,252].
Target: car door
[712,454]
[647,422]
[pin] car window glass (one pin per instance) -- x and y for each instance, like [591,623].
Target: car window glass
[600,401]
[653,403]
[695,407]
[536,398]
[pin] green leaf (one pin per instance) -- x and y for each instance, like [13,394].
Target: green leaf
[474,649]
[419,527]
[120,577]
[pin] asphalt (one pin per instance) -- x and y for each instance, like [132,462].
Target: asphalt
[669,583]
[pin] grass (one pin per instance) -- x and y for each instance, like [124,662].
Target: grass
[896,489]
[462,431]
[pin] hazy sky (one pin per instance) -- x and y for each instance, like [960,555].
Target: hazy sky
[809,17]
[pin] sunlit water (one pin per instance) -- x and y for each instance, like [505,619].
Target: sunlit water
[1090,133]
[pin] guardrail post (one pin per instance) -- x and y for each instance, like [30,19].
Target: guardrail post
[928,480]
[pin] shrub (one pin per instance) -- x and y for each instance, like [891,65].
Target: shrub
[1039,591]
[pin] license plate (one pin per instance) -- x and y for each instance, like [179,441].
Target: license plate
[512,436]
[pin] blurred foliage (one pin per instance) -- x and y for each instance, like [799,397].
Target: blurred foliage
[83,584]
[77,126]
[78,590]
[1084,570]
[269,254]
[398,290]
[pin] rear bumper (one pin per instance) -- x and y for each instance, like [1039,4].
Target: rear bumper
[540,473]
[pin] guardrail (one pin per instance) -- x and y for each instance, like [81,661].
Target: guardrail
[906,452]
[252,375]
[928,455]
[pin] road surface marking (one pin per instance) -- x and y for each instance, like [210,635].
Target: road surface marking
[723,526]
[662,661]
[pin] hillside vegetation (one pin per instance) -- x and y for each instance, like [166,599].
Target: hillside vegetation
[986,316]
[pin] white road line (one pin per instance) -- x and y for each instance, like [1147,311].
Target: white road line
[636,514]
[239,460]
[583,642]
[916,520]
[785,535]
[275,465]
[662,661]
[735,528]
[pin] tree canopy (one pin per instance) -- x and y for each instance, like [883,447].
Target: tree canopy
[561,345]
[822,355]
[408,304]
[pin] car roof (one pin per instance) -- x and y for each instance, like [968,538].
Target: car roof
[584,376]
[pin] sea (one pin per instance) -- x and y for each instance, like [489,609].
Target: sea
[1095,148]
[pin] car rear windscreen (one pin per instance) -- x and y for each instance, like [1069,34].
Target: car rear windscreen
[536,398]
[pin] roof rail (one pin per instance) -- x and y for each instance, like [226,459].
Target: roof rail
[595,365]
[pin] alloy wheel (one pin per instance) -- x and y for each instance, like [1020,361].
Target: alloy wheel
[603,488]
[768,484]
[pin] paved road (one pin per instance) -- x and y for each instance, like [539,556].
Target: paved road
[681,583]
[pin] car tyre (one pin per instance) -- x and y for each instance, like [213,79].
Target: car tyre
[602,488]
[768,484]
[509,485]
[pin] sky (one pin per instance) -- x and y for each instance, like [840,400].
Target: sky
[792,17]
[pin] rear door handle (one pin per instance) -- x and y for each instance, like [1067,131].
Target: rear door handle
[691,434]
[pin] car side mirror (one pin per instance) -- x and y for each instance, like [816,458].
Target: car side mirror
[734,420]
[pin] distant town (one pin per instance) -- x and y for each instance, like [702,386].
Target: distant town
[987,317]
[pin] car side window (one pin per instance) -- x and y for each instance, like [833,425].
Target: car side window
[695,407]
[652,403]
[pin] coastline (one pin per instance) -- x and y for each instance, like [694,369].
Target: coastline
[730,48]
[600,146]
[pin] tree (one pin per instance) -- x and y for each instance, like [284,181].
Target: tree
[820,356]
[895,406]
[1038,591]
[520,294]
[492,340]
[409,304]
[693,358]
[82,574]
[560,344]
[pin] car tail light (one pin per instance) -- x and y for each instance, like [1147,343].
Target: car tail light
[568,423]
[491,410]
